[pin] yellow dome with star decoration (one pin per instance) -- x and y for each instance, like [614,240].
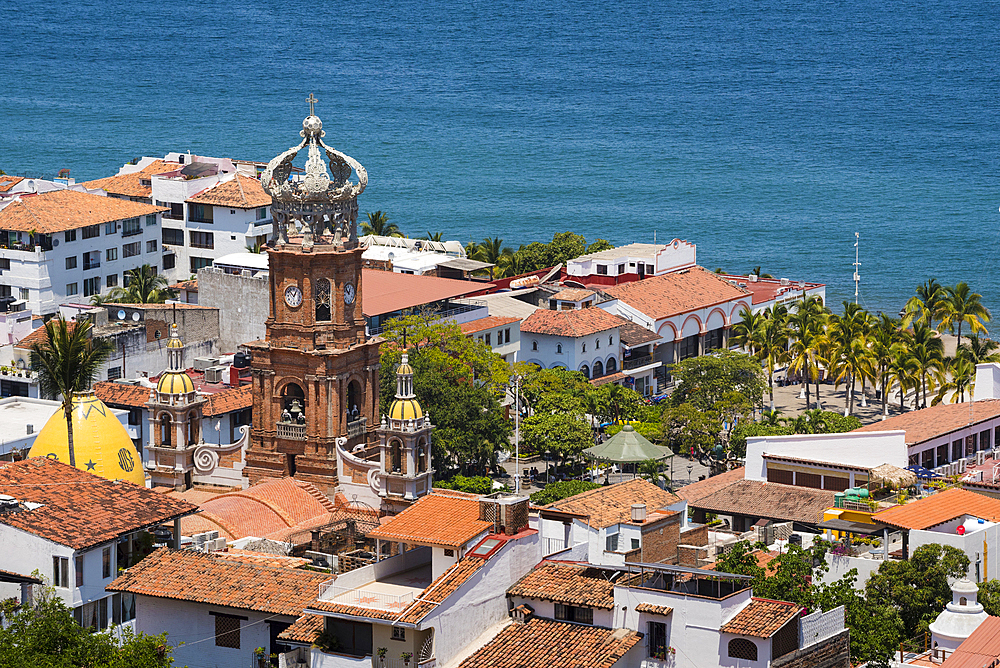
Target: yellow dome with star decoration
[100,442]
[174,382]
[405,409]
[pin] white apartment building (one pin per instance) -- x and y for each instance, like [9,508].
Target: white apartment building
[213,206]
[66,245]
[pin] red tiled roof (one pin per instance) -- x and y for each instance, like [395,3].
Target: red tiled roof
[131,184]
[387,292]
[199,577]
[38,335]
[572,294]
[613,504]
[61,210]
[276,560]
[934,421]
[304,629]
[767,499]
[980,649]
[436,519]
[766,289]
[615,377]
[762,618]
[697,490]
[11,576]
[7,182]
[190,286]
[574,323]
[651,609]
[764,558]
[676,293]
[80,509]
[568,584]
[122,394]
[436,593]
[241,192]
[543,643]
[489,322]
[940,507]
[227,401]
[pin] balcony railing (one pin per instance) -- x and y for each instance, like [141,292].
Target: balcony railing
[293,432]
[357,427]
[365,598]
[636,362]
[96,264]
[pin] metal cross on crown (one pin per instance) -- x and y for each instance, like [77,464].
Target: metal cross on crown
[311,100]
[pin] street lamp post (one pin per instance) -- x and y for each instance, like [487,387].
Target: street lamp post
[690,467]
[517,435]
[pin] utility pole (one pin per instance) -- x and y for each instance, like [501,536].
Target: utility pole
[517,434]
[857,264]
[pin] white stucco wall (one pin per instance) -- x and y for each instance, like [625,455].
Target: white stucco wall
[572,355]
[980,546]
[862,449]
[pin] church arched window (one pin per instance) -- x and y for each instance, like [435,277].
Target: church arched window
[321,295]
[293,403]
[396,456]
[354,401]
[165,430]
[192,428]
[421,458]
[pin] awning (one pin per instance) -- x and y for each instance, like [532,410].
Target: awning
[852,527]
[628,445]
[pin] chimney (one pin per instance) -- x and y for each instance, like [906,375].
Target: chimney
[638,513]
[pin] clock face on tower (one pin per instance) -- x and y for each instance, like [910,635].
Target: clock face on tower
[293,296]
[349,293]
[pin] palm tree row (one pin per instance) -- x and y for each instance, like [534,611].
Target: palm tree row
[856,347]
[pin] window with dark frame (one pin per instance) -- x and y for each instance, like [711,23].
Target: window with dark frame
[78,567]
[71,262]
[91,286]
[131,226]
[398,633]
[132,249]
[111,254]
[602,270]
[69,235]
[657,635]
[60,571]
[91,231]
[202,239]
[572,613]
[227,631]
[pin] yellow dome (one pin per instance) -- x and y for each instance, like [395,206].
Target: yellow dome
[404,368]
[175,382]
[101,444]
[405,409]
[174,343]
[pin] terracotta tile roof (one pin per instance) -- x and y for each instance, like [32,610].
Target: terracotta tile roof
[199,577]
[572,294]
[61,210]
[940,507]
[227,401]
[388,292]
[613,504]
[575,323]
[122,394]
[615,377]
[7,182]
[241,192]
[276,560]
[436,593]
[767,499]
[489,322]
[80,509]
[436,519]
[11,576]
[38,335]
[766,289]
[697,490]
[633,335]
[304,629]
[979,649]
[762,618]
[543,643]
[190,286]
[934,421]
[676,293]
[567,584]
[661,610]
[131,185]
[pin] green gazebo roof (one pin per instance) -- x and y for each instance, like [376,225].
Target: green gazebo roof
[628,445]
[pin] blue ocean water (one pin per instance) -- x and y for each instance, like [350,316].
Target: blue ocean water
[766,132]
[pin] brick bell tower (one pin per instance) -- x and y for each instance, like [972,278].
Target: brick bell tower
[315,376]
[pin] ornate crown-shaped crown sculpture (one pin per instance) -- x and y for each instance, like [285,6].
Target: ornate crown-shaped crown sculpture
[315,202]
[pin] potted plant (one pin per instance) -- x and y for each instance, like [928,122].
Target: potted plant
[406,656]
[381,652]
[260,654]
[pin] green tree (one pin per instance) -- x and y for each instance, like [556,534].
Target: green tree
[474,485]
[599,245]
[706,379]
[958,378]
[689,429]
[926,306]
[979,351]
[905,373]
[556,491]
[926,353]
[379,225]
[886,340]
[918,587]
[565,435]
[748,332]
[434,236]
[45,635]
[989,597]
[67,361]
[960,306]
[850,355]
[144,287]
[773,344]
[876,628]
[559,389]
[566,246]
[805,327]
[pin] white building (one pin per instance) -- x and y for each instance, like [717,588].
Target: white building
[770,292]
[503,335]
[66,246]
[214,206]
[77,529]
[633,262]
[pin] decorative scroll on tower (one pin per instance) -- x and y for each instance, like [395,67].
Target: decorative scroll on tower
[316,373]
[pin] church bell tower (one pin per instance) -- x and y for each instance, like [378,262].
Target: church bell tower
[315,376]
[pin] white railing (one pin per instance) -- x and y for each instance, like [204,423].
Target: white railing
[294,432]
[388,662]
[365,598]
[553,545]
[357,427]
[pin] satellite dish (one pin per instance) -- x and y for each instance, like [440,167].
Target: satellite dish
[135,317]
[121,315]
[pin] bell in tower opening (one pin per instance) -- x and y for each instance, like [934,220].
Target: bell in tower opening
[315,374]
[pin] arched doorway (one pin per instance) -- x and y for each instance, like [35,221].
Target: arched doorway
[585,370]
[598,369]
[611,366]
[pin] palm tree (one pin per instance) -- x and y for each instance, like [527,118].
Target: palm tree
[494,252]
[257,247]
[963,379]
[927,353]
[773,343]
[756,272]
[747,332]
[802,327]
[979,351]
[434,236]
[905,373]
[67,361]
[925,306]
[961,305]
[473,251]
[885,341]
[379,225]
[144,287]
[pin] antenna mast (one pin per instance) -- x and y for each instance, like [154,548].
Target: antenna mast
[857,264]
